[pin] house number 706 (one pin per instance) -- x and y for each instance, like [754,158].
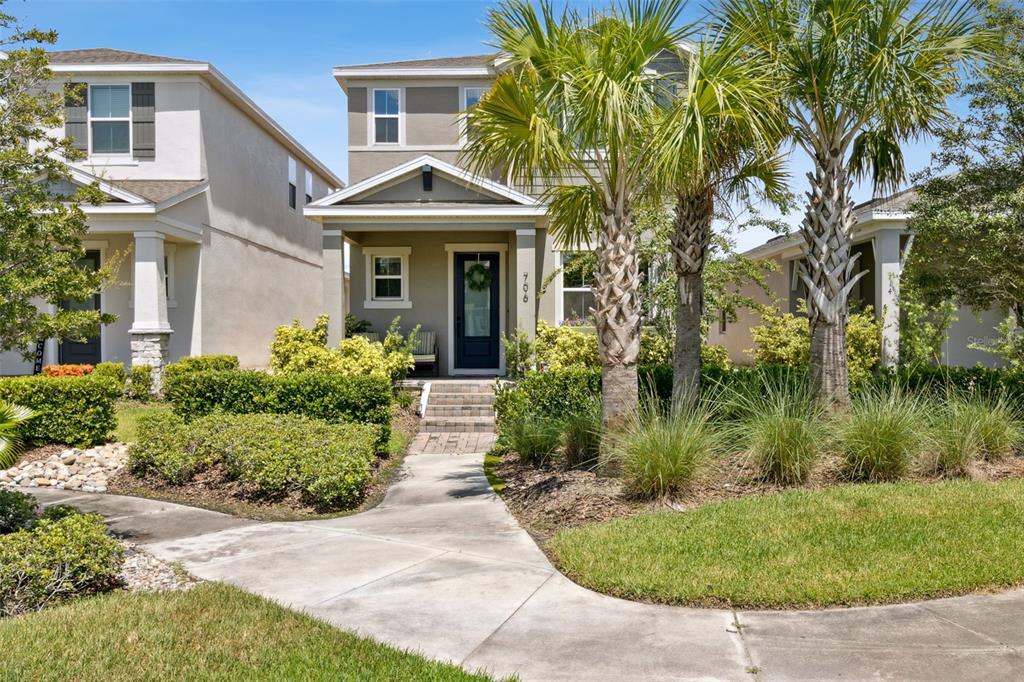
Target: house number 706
[526,287]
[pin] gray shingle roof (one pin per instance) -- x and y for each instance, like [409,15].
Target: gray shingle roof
[430,63]
[106,55]
[898,202]
[156,190]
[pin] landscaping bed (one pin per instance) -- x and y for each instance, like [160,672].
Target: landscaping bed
[212,632]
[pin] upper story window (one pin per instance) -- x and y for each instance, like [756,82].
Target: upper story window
[471,97]
[110,119]
[292,180]
[309,186]
[577,295]
[385,115]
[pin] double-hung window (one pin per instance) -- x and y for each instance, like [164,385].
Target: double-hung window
[472,97]
[577,295]
[110,122]
[309,186]
[387,277]
[385,115]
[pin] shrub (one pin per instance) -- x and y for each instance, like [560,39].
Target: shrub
[202,363]
[67,370]
[162,447]
[660,452]
[112,370]
[78,411]
[56,512]
[17,511]
[714,356]
[140,383]
[56,560]
[784,339]
[882,434]
[333,398]
[656,349]
[565,347]
[556,394]
[296,349]
[581,435]
[519,354]
[782,429]
[535,438]
[327,464]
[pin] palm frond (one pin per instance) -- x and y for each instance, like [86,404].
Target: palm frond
[11,442]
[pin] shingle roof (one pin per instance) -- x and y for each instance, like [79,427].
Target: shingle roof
[106,55]
[156,190]
[896,203]
[430,63]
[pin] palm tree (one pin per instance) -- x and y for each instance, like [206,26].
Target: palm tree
[857,78]
[721,136]
[11,417]
[574,110]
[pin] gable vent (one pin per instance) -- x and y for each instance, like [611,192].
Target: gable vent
[428,179]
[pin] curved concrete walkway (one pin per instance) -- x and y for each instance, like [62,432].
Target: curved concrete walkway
[440,567]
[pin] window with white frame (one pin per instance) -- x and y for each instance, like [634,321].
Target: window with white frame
[577,280]
[309,186]
[292,180]
[385,115]
[110,123]
[471,97]
[387,277]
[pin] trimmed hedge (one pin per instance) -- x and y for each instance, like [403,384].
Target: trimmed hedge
[73,410]
[329,465]
[202,363]
[332,398]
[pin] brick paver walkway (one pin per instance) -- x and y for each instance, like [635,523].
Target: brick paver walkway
[451,443]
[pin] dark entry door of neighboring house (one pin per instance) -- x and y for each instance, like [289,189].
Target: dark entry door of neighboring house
[477,336]
[89,352]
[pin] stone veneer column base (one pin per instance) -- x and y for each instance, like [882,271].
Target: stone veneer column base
[150,348]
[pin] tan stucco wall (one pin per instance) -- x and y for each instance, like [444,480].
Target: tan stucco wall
[357,123]
[364,164]
[443,190]
[737,338]
[431,115]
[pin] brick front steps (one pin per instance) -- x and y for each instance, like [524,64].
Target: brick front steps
[459,407]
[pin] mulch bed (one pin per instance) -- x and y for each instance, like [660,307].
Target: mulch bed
[40,453]
[547,499]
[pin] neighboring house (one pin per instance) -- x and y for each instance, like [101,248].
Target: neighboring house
[882,241]
[462,255]
[205,194]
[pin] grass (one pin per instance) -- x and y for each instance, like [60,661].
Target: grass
[212,632]
[852,544]
[128,413]
[491,461]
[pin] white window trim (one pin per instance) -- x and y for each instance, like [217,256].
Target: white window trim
[308,184]
[109,158]
[402,252]
[371,128]
[463,106]
[293,182]
[562,289]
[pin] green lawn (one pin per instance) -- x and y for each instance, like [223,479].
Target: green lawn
[212,632]
[128,413]
[856,544]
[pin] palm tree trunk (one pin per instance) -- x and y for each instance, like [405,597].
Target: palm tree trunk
[690,240]
[617,316]
[827,274]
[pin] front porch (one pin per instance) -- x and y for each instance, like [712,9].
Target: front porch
[456,254]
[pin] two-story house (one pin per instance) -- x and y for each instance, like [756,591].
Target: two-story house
[205,194]
[459,254]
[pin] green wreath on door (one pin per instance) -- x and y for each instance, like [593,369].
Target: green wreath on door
[478,277]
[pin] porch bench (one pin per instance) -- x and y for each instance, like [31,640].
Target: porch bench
[425,350]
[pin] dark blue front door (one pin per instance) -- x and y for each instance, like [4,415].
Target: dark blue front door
[477,337]
[88,352]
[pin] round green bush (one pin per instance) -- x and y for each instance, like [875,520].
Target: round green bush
[17,511]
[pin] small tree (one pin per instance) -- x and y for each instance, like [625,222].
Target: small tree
[41,229]
[968,219]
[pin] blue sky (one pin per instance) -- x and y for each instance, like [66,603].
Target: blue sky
[281,53]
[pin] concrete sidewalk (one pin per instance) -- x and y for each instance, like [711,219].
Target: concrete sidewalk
[440,567]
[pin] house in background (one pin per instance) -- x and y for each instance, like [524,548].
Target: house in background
[465,256]
[205,194]
[882,241]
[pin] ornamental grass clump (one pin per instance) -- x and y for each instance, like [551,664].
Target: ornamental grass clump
[783,431]
[659,452]
[954,439]
[998,423]
[581,436]
[536,438]
[883,433]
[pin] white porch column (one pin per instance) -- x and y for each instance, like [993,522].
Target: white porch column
[150,329]
[887,270]
[524,288]
[334,284]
